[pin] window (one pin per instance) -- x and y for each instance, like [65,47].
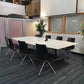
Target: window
[66,24]
[56,24]
[73,23]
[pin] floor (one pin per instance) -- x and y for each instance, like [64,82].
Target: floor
[69,72]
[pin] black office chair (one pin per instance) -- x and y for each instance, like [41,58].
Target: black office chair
[46,39]
[38,35]
[25,51]
[42,54]
[59,38]
[70,39]
[48,36]
[13,48]
[7,43]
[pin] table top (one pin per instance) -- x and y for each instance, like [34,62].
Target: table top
[51,43]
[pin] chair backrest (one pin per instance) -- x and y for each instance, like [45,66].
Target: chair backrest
[59,38]
[22,46]
[38,35]
[11,43]
[7,41]
[48,36]
[41,51]
[70,39]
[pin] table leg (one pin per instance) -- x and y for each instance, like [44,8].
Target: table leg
[56,52]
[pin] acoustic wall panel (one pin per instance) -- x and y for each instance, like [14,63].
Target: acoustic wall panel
[15,28]
[58,7]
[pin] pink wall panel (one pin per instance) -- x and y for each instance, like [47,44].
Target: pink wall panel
[2,32]
[15,28]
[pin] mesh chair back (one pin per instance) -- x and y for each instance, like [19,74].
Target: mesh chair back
[59,38]
[22,46]
[38,35]
[71,39]
[41,51]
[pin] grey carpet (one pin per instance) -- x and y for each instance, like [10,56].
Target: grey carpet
[70,72]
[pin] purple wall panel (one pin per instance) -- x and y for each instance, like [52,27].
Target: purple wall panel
[15,28]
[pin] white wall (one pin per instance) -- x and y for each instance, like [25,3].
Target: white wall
[30,29]
[80,6]
[57,7]
[10,8]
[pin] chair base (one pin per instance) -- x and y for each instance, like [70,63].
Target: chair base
[8,51]
[25,58]
[15,52]
[43,66]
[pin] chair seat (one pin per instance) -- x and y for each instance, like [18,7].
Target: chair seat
[13,47]
[16,45]
[28,51]
[48,57]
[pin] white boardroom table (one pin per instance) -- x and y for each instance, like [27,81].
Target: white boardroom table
[51,43]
